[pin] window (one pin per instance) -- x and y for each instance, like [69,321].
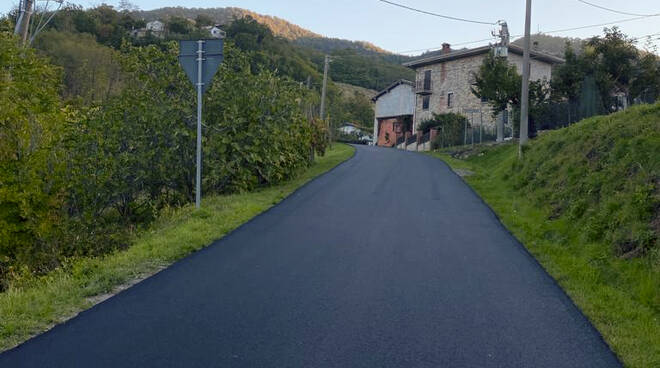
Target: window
[427,80]
[425,102]
[450,99]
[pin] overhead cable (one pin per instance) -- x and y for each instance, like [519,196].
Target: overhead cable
[436,14]
[617,11]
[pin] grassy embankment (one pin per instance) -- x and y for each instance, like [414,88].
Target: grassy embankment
[36,304]
[585,201]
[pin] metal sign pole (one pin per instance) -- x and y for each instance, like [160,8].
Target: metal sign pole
[200,84]
[200,60]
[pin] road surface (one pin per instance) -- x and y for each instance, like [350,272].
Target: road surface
[389,260]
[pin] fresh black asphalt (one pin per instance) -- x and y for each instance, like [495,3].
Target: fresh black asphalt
[389,260]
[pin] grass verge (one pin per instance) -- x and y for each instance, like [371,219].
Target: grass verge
[39,303]
[619,294]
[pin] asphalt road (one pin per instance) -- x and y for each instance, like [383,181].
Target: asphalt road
[389,260]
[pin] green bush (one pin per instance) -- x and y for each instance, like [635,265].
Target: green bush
[450,126]
[78,182]
[31,116]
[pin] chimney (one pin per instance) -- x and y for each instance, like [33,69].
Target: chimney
[446,48]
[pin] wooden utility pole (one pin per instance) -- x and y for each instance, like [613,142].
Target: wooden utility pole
[325,83]
[310,118]
[524,97]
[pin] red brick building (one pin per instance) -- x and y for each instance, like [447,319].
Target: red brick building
[390,129]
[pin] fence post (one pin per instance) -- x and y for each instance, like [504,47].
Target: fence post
[500,127]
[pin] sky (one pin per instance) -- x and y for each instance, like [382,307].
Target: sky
[402,31]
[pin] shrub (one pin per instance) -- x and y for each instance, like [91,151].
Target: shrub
[30,161]
[451,129]
[77,182]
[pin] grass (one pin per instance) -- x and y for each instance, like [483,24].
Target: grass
[38,303]
[584,201]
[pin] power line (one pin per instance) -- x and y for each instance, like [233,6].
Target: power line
[644,36]
[542,32]
[598,25]
[436,14]
[616,11]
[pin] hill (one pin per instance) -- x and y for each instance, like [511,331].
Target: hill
[278,26]
[357,62]
[348,90]
[224,16]
[552,45]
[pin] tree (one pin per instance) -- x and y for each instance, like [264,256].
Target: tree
[497,82]
[31,117]
[203,20]
[567,77]
[646,83]
[608,65]
[178,25]
[127,6]
[361,110]
[91,70]
[258,133]
[612,59]
[567,80]
[6,24]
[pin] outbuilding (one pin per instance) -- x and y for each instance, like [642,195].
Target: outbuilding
[395,108]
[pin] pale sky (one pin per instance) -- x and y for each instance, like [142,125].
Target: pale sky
[398,30]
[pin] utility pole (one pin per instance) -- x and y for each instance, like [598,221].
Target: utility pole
[310,118]
[19,18]
[326,65]
[524,98]
[23,22]
[502,49]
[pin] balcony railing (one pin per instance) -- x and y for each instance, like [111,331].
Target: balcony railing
[411,140]
[426,137]
[424,87]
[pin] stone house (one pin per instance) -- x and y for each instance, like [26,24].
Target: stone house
[443,81]
[156,26]
[395,107]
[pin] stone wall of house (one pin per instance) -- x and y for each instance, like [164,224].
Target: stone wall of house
[456,77]
[538,70]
